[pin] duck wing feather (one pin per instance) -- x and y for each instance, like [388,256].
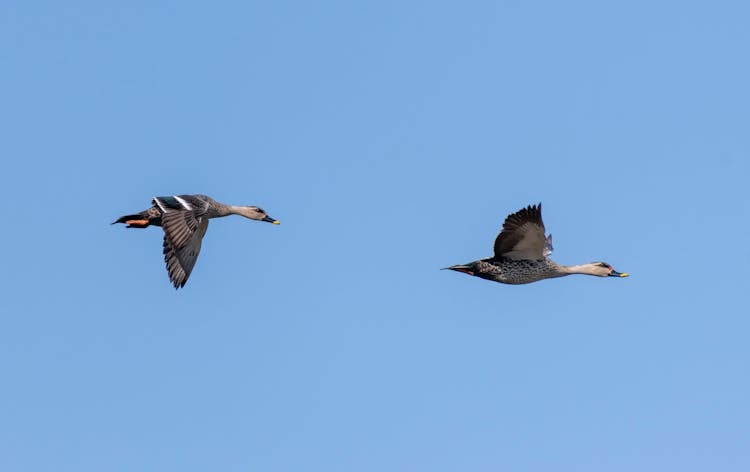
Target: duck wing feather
[180,260]
[185,222]
[522,236]
[181,216]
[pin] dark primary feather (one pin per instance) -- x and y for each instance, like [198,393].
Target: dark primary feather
[179,227]
[183,233]
[180,260]
[177,274]
[522,236]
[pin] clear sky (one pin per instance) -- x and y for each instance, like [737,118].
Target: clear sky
[390,138]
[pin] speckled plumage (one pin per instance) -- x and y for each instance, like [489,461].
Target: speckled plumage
[184,219]
[517,272]
[521,254]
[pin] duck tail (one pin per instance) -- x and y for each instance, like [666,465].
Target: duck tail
[139,220]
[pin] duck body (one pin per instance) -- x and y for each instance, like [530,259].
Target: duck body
[184,219]
[522,254]
[516,272]
[200,204]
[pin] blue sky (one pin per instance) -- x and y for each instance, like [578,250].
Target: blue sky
[391,139]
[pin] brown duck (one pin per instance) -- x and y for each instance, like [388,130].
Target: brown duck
[184,219]
[521,254]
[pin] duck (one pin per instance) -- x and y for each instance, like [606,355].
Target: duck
[184,219]
[521,254]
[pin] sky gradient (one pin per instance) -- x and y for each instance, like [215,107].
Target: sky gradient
[391,139]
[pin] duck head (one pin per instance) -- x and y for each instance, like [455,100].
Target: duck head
[602,269]
[255,213]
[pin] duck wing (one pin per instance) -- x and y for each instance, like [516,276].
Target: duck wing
[181,216]
[522,236]
[180,260]
[185,221]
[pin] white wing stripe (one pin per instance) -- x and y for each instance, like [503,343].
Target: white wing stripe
[159,203]
[184,203]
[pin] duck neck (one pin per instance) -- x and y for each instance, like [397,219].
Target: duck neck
[587,269]
[223,210]
[234,210]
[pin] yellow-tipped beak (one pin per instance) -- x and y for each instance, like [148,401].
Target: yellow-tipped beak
[624,274]
[277,222]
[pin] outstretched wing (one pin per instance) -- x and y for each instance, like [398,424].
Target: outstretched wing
[185,222]
[522,236]
[180,260]
[180,217]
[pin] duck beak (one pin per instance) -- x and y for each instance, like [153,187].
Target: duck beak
[466,269]
[271,220]
[614,273]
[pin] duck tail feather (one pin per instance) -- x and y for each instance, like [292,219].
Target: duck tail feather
[139,220]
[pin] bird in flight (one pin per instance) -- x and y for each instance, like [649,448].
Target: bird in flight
[184,219]
[522,254]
